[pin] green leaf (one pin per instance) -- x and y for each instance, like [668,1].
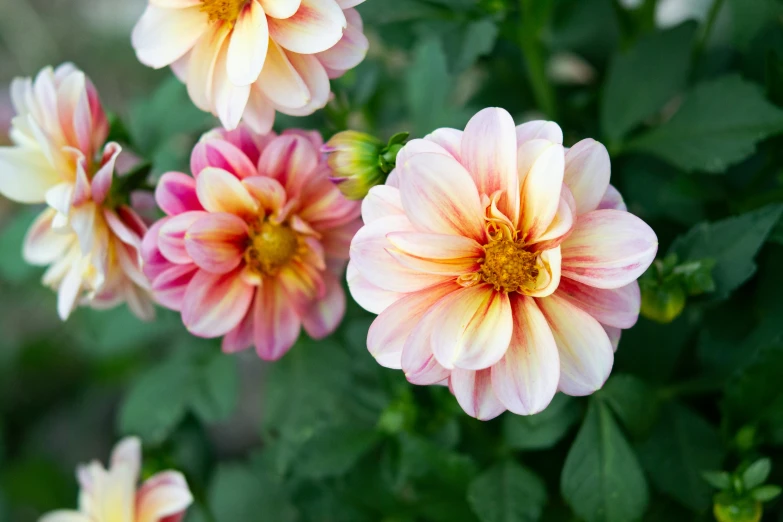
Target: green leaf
[508,493]
[749,396]
[602,480]
[216,391]
[334,451]
[634,402]
[679,449]
[542,430]
[749,17]
[641,80]
[766,493]
[379,13]
[756,474]
[156,402]
[428,86]
[717,479]
[719,124]
[732,243]
[476,39]
[237,493]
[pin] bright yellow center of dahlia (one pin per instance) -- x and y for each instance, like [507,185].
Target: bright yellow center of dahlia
[508,266]
[271,247]
[223,10]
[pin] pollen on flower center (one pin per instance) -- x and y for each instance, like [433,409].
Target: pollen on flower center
[223,10]
[508,266]
[271,247]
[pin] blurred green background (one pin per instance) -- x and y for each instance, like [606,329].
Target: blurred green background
[686,94]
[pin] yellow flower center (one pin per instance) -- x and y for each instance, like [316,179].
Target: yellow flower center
[508,266]
[223,10]
[271,247]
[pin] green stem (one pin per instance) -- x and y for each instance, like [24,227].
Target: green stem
[701,44]
[535,59]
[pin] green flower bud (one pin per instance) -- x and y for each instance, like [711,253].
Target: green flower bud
[356,162]
[728,508]
[662,303]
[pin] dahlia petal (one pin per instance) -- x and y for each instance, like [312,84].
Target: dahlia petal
[25,176]
[323,317]
[541,165]
[421,146]
[612,200]
[350,50]
[229,99]
[154,262]
[370,297]
[608,249]
[242,336]
[316,27]
[216,242]
[474,328]
[171,238]
[176,4]
[473,390]
[281,8]
[202,65]
[220,191]
[102,180]
[539,129]
[489,153]
[586,356]
[439,196]
[176,193]
[277,325]
[291,160]
[214,304]
[614,336]
[345,4]
[65,516]
[269,193]
[315,77]
[323,205]
[68,291]
[562,224]
[587,173]
[170,284]
[390,330]
[418,362]
[42,245]
[618,308]
[280,82]
[221,154]
[382,201]
[549,274]
[436,246]
[259,113]
[163,35]
[163,495]
[526,378]
[248,46]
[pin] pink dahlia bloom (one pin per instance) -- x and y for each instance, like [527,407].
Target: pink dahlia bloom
[91,244]
[255,243]
[246,59]
[112,494]
[501,263]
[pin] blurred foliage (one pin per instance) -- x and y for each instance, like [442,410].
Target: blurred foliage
[692,114]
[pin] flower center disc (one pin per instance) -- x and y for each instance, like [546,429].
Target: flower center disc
[271,247]
[508,266]
[223,10]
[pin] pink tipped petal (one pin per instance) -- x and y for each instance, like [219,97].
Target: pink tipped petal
[25,175]
[436,246]
[618,308]
[102,180]
[474,328]
[542,185]
[259,113]
[242,337]
[65,516]
[612,199]
[418,361]
[449,139]
[419,146]
[526,379]
[489,152]
[220,191]
[587,173]
[324,316]
[221,154]
[176,194]
[171,239]
[317,26]
[154,262]
[345,4]
[280,82]
[539,129]
[202,65]
[216,242]
[608,249]
[316,79]
[290,160]
[280,8]
[614,336]
[42,245]
[439,196]
[169,285]
[586,355]
[248,46]
[390,331]
[277,324]
[163,495]
[562,225]
[269,193]
[382,201]
[370,297]
[215,303]
[473,390]
[164,35]
[348,52]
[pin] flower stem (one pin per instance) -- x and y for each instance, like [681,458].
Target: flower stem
[534,55]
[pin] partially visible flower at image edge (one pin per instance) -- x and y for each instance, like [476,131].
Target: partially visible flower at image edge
[246,59]
[255,243]
[113,494]
[60,157]
[501,264]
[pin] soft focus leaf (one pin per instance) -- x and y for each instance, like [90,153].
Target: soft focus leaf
[475,39]
[429,87]
[717,479]
[542,430]
[334,451]
[237,493]
[748,394]
[633,401]
[719,124]
[602,480]
[757,473]
[767,493]
[750,16]
[507,493]
[216,389]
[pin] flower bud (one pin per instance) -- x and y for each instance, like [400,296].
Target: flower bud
[360,161]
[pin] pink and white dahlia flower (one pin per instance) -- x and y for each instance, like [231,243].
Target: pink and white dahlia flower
[246,59]
[501,263]
[112,494]
[92,245]
[255,243]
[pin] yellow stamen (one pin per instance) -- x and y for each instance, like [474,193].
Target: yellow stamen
[508,266]
[271,247]
[223,10]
